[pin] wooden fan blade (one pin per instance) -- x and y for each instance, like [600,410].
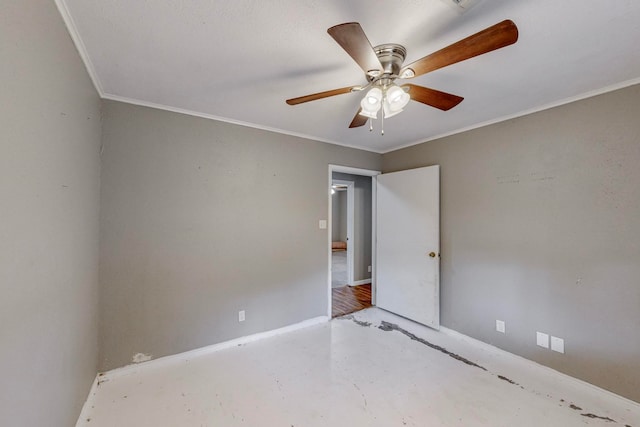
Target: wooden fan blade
[358,120]
[441,100]
[495,37]
[320,95]
[354,41]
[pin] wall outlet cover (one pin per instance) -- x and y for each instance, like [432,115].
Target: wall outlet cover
[241,316]
[500,326]
[322,224]
[557,344]
[542,339]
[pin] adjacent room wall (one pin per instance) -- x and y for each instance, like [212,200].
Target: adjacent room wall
[201,219]
[362,223]
[339,216]
[343,205]
[540,228]
[49,201]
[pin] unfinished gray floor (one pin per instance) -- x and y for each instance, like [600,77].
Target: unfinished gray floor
[371,369]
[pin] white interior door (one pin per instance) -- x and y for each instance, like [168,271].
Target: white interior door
[408,244]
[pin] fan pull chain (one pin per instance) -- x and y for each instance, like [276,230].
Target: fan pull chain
[382,125]
[370,125]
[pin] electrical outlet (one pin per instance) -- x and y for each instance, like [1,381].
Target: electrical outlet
[542,339]
[500,326]
[369,269]
[322,224]
[557,344]
[241,316]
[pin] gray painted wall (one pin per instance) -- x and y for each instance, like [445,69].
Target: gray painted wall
[339,216]
[49,201]
[343,206]
[362,223]
[201,219]
[540,229]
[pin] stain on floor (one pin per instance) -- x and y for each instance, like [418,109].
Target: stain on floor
[598,417]
[356,321]
[510,381]
[387,327]
[222,388]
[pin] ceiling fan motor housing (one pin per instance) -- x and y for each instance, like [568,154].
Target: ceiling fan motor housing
[391,57]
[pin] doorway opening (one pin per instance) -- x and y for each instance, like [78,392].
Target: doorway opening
[342,241]
[351,239]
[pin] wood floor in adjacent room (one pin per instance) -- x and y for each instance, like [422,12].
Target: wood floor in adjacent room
[371,368]
[348,299]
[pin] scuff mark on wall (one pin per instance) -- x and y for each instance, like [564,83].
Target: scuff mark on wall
[508,179]
[141,357]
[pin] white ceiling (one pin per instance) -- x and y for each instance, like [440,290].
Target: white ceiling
[239,60]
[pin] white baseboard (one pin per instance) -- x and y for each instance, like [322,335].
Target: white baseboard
[181,357]
[114,373]
[495,350]
[361,282]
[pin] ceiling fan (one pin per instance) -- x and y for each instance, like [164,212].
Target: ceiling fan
[383,64]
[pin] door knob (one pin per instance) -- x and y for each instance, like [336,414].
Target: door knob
[432,254]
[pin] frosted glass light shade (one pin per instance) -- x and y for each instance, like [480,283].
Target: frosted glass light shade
[396,99]
[388,112]
[371,103]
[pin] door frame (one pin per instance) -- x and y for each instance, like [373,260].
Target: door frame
[353,171]
[351,238]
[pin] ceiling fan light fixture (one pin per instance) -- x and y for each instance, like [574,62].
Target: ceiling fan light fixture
[396,98]
[383,65]
[388,112]
[370,114]
[371,103]
[374,96]
[407,73]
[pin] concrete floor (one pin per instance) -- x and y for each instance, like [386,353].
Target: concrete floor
[371,369]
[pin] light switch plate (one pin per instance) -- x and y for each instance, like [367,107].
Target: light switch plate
[500,327]
[557,344]
[542,339]
[322,224]
[241,316]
